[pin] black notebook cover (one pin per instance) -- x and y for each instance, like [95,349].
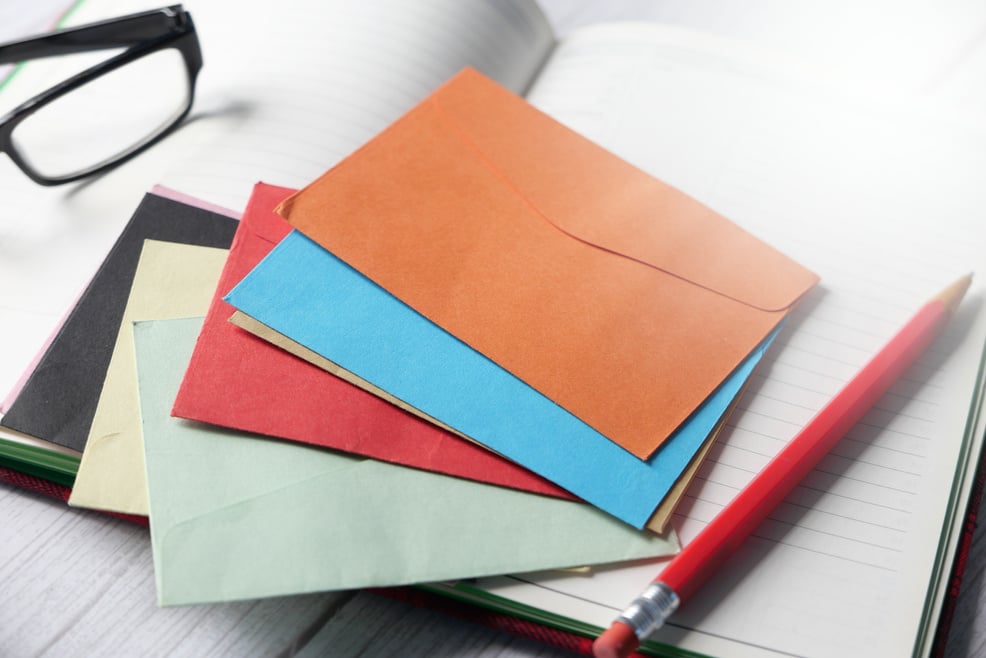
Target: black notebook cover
[59,399]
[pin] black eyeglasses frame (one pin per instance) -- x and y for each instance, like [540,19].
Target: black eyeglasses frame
[141,34]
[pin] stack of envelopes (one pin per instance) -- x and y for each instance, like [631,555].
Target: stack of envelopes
[484,267]
[479,293]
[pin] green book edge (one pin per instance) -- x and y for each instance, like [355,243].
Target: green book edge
[462,591]
[32,460]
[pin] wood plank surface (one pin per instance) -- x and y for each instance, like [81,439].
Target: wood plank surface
[77,583]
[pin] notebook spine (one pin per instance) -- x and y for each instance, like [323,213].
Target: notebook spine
[546,635]
[961,560]
[54,490]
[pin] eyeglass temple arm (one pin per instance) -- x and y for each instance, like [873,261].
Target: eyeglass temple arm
[113,33]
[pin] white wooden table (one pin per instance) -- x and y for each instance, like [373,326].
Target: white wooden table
[75,583]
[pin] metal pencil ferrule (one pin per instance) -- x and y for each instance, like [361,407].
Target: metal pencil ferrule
[649,610]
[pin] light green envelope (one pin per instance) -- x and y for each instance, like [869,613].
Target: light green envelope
[172,280]
[236,516]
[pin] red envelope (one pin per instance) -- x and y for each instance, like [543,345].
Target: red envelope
[239,381]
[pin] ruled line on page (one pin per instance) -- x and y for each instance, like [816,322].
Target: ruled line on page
[362,69]
[844,563]
[273,102]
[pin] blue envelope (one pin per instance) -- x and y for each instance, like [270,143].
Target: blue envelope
[305,293]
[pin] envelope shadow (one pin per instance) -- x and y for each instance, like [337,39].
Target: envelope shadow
[861,440]
[786,525]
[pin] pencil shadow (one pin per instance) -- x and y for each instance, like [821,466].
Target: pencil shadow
[803,519]
[861,439]
[796,521]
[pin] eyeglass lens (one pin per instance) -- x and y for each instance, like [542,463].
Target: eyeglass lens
[107,117]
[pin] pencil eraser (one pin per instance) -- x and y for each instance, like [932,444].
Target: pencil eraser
[619,641]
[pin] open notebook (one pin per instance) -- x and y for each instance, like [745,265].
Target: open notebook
[884,207]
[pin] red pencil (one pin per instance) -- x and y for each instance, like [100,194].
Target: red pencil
[697,560]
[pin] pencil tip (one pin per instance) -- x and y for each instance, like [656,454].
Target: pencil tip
[952,295]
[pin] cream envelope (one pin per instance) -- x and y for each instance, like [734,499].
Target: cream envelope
[172,281]
[236,516]
[618,297]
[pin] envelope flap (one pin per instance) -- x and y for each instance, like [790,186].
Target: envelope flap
[568,267]
[265,225]
[594,196]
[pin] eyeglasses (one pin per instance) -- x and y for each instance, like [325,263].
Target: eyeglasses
[110,111]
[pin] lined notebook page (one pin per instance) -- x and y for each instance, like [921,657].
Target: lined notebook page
[283,95]
[887,216]
[288,108]
[23,19]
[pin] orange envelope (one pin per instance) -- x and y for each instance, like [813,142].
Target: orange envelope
[617,296]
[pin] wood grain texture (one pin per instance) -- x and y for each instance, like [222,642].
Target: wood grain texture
[77,583]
